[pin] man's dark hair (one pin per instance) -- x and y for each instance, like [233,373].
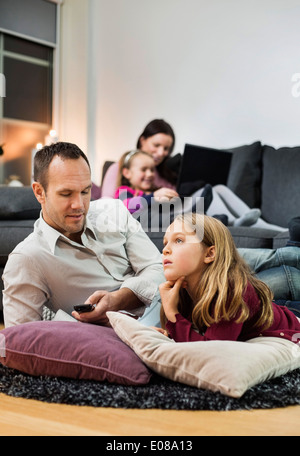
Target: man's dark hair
[44,156]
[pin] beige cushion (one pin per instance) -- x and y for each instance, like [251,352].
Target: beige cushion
[225,366]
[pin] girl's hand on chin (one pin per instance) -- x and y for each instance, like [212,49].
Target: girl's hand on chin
[169,292]
[172,282]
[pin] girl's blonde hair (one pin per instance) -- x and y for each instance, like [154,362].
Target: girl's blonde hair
[125,162]
[222,285]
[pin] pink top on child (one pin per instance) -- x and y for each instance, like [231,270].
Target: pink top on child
[134,200]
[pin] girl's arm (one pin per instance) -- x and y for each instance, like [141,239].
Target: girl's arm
[182,330]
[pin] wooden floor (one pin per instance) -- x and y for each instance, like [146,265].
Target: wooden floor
[26,417]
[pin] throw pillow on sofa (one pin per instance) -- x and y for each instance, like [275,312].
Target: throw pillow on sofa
[280,184]
[245,173]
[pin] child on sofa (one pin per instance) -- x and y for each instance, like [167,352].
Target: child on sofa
[135,187]
[210,293]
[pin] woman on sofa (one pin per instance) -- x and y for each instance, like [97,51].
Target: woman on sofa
[158,139]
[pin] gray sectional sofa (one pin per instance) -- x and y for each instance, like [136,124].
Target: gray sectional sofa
[261,175]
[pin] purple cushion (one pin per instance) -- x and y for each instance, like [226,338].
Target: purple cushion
[73,350]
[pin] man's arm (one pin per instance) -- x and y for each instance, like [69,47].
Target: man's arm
[24,293]
[145,260]
[138,288]
[135,292]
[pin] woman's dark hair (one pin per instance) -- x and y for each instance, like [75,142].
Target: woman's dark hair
[155,127]
[44,156]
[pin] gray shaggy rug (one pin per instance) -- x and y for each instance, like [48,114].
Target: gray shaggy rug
[160,393]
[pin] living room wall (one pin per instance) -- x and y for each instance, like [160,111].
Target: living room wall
[222,73]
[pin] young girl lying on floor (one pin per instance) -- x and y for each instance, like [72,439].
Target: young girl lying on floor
[210,292]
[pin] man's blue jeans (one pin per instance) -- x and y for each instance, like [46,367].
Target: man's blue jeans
[280,270]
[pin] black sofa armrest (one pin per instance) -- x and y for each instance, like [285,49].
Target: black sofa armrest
[18,203]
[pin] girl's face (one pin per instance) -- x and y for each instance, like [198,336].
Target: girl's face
[159,146]
[184,255]
[141,172]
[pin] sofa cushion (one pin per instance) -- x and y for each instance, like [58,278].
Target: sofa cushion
[245,173]
[254,238]
[281,239]
[18,203]
[280,184]
[243,236]
[73,350]
[1,291]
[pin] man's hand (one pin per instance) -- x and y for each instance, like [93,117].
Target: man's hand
[105,301]
[169,293]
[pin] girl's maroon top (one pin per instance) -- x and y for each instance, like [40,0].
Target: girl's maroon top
[285,325]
